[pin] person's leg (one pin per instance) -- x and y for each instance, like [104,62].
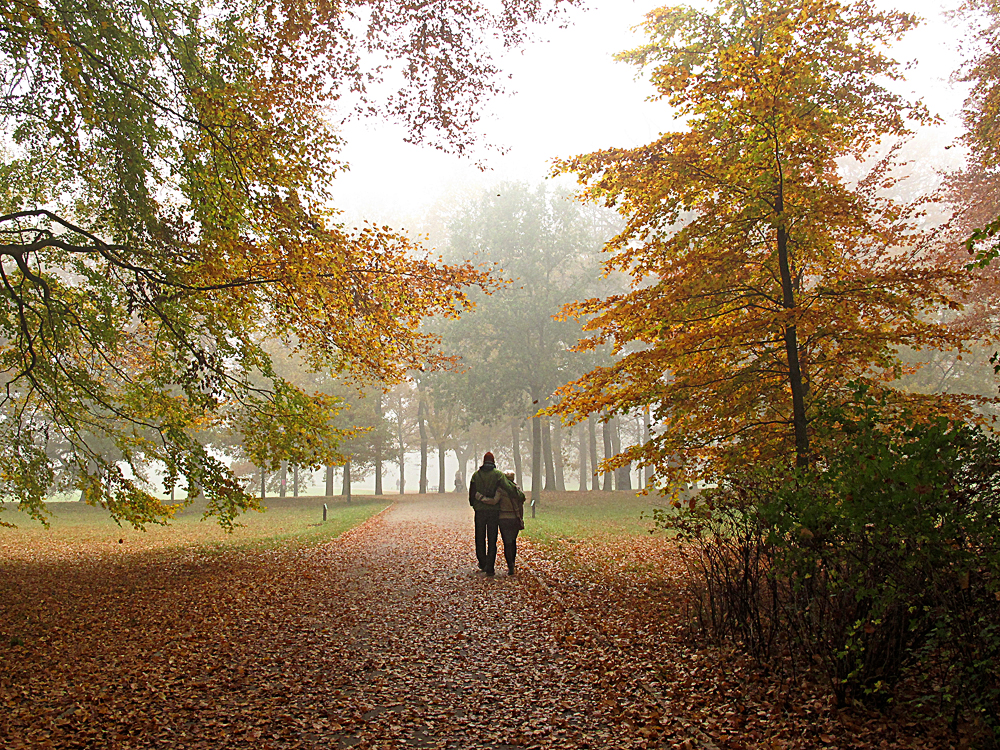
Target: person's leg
[492,527]
[513,548]
[508,532]
[481,529]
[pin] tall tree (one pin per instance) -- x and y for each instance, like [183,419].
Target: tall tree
[592,435]
[422,427]
[762,279]
[549,462]
[404,403]
[557,460]
[608,454]
[515,431]
[981,115]
[379,438]
[164,189]
[974,194]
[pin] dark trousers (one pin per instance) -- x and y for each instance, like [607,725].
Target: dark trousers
[508,532]
[487,525]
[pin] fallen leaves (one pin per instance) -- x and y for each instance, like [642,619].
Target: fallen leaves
[384,638]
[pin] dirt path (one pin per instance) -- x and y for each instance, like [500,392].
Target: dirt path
[383,638]
[445,657]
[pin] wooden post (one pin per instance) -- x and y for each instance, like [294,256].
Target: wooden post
[324,512]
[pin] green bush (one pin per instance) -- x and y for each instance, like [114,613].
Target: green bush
[879,564]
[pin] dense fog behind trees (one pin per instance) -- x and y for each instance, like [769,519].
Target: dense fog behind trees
[510,355]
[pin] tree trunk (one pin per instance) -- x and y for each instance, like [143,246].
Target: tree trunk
[608,452]
[582,430]
[283,479]
[592,430]
[536,456]
[422,426]
[402,447]
[623,474]
[378,443]
[460,484]
[263,484]
[550,472]
[557,456]
[329,481]
[647,474]
[536,462]
[800,424]
[462,456]
[295,481]
[441,472]
[346,492]
[515,432]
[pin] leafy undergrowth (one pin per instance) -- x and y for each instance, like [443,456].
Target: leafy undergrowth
[385,638]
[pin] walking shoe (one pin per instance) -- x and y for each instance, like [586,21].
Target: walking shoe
[490,573]
[510,570]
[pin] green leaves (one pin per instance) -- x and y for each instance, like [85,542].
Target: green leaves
[164,200]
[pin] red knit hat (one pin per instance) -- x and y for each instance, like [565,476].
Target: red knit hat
[488,458]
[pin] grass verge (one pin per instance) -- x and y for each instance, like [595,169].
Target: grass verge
[577,516]
[77,528]
[598,531]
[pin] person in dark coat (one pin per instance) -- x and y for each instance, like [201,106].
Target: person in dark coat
[482,497]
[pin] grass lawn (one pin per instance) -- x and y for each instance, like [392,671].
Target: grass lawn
[78,528]
[578,516]
[599,532]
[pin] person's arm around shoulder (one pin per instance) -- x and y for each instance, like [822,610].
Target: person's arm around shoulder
[518,501]
[510,488]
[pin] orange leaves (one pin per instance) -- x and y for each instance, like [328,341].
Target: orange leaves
[762,280]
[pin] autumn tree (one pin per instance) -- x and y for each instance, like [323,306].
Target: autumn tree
[763,280]
[981,116]
[164,194]
[973,192]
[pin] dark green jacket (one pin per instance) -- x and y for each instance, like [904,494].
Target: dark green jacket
[485,481]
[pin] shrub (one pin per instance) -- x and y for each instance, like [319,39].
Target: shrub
[880,563]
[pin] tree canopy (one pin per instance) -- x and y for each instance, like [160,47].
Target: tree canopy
[165,206]
[981,116]
[763,280]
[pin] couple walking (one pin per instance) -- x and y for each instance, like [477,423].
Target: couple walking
[499,505]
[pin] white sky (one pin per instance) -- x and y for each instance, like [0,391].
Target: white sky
[567,96]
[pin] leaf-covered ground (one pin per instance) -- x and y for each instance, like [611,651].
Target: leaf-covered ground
[387,638]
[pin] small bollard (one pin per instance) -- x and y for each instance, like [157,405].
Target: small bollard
[324,512]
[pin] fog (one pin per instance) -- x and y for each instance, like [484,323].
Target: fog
[566,95]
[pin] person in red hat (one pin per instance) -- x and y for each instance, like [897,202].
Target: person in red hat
[482,497]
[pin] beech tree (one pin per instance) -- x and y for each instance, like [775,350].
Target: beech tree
[165,177]
[974,191]
[981,116]
[762,279]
